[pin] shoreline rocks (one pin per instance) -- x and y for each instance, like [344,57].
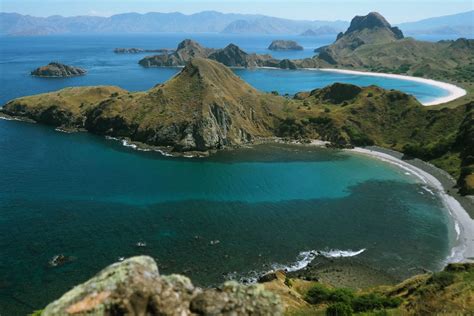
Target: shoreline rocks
[58,70]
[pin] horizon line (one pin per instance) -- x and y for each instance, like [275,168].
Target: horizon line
[214,11]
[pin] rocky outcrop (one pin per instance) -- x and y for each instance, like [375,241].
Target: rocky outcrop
[231,56]
[284,45]
[135,287]
[185,51]
[58,70]
[363,30]
[372,21]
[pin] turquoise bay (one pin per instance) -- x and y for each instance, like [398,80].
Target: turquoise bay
[93,200]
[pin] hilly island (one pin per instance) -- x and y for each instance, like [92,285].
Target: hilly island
[207,112]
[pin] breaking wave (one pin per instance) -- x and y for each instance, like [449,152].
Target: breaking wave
[303,259]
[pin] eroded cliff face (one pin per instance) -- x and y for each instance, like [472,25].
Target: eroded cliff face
[135,287]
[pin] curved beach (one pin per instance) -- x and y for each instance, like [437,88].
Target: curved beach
[463,248]
[454,92]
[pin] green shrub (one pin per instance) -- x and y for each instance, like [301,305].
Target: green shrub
[339,309]
[318,294]
[442,279]
[320,120]
[36,313]
[369,302]
[358,138]
[341,295]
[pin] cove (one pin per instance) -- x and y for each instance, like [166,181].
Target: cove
[93,200]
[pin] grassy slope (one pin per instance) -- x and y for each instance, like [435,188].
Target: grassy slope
[385,118]
[451,61]
[448,292]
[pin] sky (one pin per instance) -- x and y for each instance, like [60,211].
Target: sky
[395,11]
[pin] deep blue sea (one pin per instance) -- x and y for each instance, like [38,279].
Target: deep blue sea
[93,200]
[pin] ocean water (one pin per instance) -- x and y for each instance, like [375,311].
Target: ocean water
[93,199]
[20,55]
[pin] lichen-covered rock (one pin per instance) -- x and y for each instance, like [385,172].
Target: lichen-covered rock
[236,299]
[122,288]
[135,287]
[58,70]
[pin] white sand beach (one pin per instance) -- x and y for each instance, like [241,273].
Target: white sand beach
[463,249]
[454,92]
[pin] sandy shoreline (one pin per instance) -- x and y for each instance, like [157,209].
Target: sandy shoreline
[454,92]
[463,248]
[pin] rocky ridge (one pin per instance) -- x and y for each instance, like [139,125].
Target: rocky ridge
[231,56]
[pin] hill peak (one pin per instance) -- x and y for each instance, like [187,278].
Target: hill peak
[210,74]
[371,21]
[188,43]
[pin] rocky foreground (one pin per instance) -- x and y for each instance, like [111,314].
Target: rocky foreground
[135,287]
[58,70]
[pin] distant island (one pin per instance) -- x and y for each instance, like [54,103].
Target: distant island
[278,45]
[231,56]
[323,30]
[134,50]
[58,70]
